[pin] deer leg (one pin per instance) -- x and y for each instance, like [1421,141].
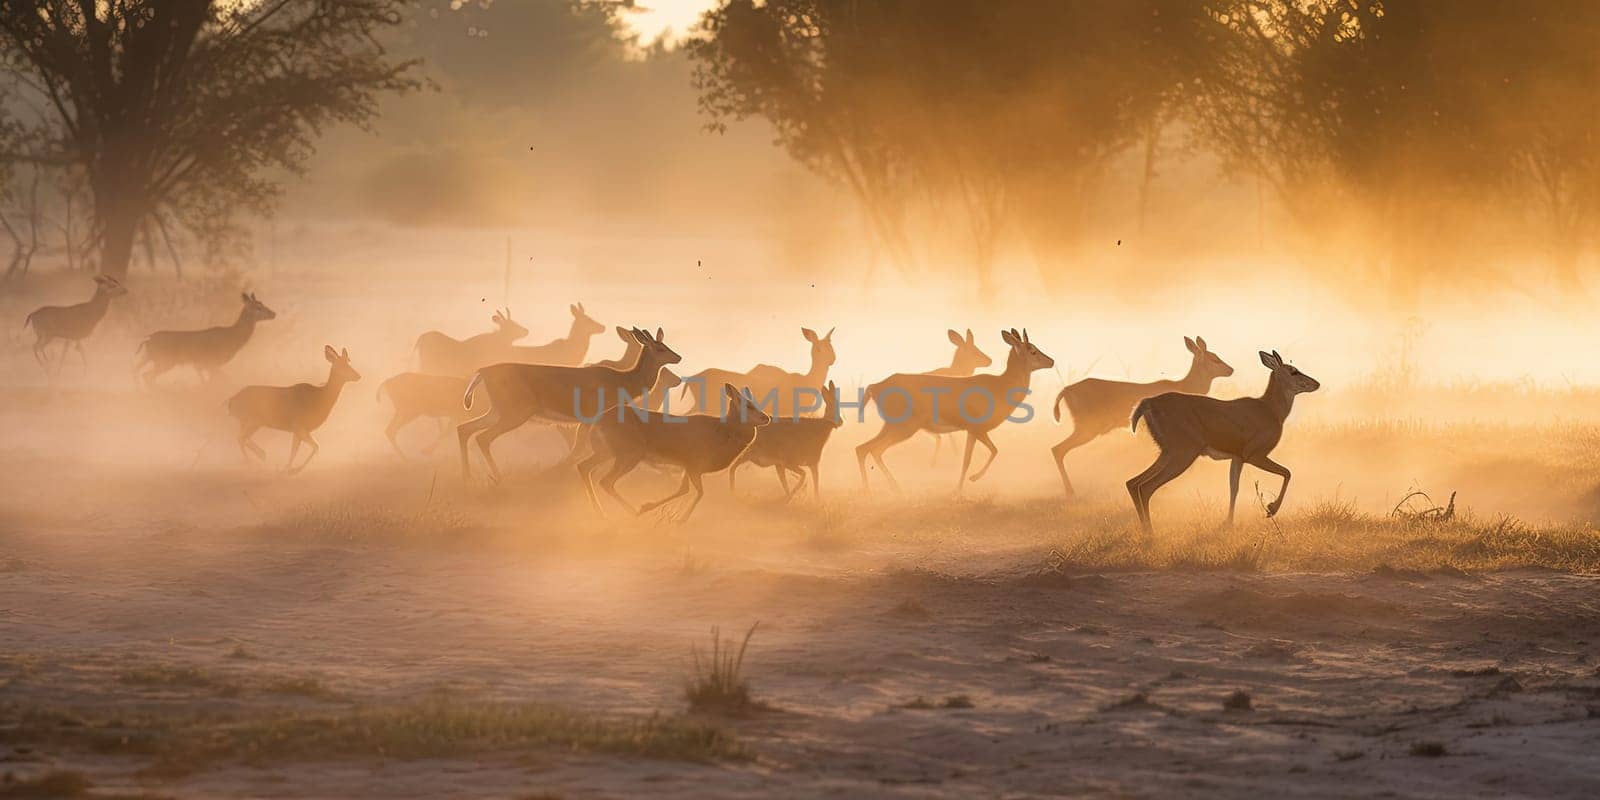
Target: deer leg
[1234,468]
[683,489]
[619,467]
[1078,439]
[983,439]
[938,440]
[38,351]
[1135,485]
[155,371]
[398,421]
[1174,466]
[312,443]
[501,426]
[586,469]
[577,442]
[966,462]
[699,492]
[783,480]
[294,447]
[248,447]
[465,431]
[77,344]
[816,483]
[886,438]
[1263,463]
[733,471]
[439,435]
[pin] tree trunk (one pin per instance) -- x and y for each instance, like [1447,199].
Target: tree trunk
[119,224]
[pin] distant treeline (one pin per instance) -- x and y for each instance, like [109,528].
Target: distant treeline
[1419,139]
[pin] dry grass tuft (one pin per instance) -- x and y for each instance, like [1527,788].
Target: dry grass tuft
[718,685]
[1428,749]
[1238,701]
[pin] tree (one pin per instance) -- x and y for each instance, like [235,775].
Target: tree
[178,111]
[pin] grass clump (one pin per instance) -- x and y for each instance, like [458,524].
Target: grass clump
[718,685]
[1238,701]
[1428,749]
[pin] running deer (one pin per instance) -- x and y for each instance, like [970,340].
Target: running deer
[1101,406]
[630,352]
[967,360]
[775,388]
[441,354]
[72,324]
[414,395]
[1243,431]
[204,350]
[698,444]
[976,404]
[793,445]
[568,351]
[555,394]
[298,409]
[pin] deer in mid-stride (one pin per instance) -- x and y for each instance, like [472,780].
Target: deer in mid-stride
[793,444]
[554,394]
[298,409]
[72,324]
[414,395]
[1242,431]
[774,387]
[976,404]
[204,350]
[1100,406]
[442,354]
[966,360]
[697,444]
[568,351]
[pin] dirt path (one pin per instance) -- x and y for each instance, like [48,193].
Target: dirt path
[1088,684]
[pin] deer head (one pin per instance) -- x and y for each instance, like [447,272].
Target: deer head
[254,309]
[653,350]
[1292,380]
[342,372]
[1205,362]
[822,354]
[582,323]
[108,286]
[1024,355]
[743,407]
[506,326]
[968,357]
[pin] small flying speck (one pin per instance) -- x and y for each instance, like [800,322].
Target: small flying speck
[1119,242]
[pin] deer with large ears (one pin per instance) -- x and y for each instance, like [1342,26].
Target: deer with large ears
[442,354]
[568,351]
[777,390]
[204,350]
[555,394]
[1242,431]
[72,324]
[1100,406]
[697,444]
[794,445]
[976,404]
[967,359]
[298,409]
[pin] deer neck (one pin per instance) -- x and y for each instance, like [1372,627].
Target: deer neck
[579,342]
[818,374]
[1016,373]
[99,304]
[328,392]
[1279,397]
[1195,381]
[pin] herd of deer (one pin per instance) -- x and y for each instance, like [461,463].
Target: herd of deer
[546,383]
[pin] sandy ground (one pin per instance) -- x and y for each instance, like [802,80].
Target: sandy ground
[1079,684]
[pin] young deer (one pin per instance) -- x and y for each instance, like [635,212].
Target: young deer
[1243,431]
[942,404]
[567,351]
[441,354]
[414,395]
[204,350]
[967,360]
[630,352]
[765,379]
[72,324]
[519,392]
[697,444]
[298,409]
[1101,406]
[793,445]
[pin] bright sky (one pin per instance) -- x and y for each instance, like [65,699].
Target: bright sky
[669,19]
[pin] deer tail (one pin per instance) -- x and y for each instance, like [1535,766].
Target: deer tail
[28,320]
[466,399]
[1139,411]
[1061,400]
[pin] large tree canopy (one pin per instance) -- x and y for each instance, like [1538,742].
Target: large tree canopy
[178,111]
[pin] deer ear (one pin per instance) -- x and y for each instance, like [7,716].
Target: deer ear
[244,297]
[574,309]
[955,338]
[624,334]
[344,353]
[731,393]
[1270,360]
[1008,337]
[661,335]
[1188,344]
[329,353]
[811,335]
[829,337]
[970,339]
[1025,339]
[1200,342]
[642,337]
